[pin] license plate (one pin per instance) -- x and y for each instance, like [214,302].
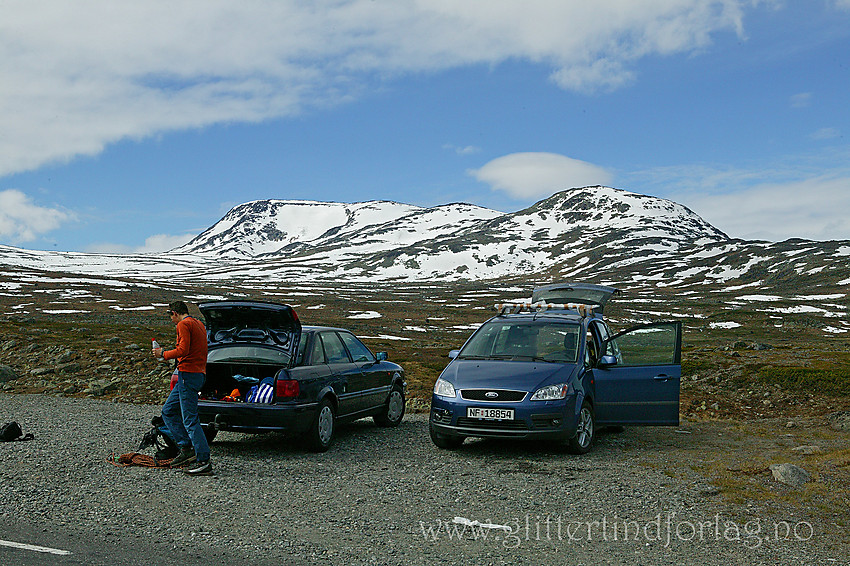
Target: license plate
[490,414]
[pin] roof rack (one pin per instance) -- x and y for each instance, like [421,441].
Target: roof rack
[516,308]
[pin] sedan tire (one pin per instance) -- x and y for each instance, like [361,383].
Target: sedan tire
[321,433]
[392,413]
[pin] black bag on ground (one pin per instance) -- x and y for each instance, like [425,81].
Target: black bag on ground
[12,431]
[159,437]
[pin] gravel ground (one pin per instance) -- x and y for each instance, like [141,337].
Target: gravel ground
[387,496]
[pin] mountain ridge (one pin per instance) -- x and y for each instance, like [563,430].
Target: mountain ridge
[593,233]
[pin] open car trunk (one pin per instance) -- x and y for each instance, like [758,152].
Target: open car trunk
[249,343]
[226,378]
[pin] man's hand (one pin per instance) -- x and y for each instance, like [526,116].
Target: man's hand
[157,352]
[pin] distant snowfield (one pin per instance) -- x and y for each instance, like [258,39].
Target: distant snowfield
[386,337]
[726,325]
[364,315]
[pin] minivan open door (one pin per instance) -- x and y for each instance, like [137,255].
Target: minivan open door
[637,380]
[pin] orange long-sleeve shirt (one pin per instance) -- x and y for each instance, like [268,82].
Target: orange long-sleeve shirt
[191,350]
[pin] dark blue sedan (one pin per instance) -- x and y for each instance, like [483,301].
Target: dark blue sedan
[266,372]
[552,370]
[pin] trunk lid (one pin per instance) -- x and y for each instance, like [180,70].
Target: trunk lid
[582,293]
[251,322]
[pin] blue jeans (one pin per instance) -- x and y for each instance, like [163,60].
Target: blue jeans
[180,413]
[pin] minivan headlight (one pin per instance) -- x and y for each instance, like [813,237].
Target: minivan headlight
[551,392]
[444,389]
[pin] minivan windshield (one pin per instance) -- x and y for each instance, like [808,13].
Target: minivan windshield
[545,340]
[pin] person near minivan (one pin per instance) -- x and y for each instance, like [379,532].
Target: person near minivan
[180,411]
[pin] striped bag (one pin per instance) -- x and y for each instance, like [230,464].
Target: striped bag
[261,394]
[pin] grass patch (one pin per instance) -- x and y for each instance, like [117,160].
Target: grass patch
[834,381]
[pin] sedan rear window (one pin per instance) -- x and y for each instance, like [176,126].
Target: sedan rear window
[248,353]
[539,340]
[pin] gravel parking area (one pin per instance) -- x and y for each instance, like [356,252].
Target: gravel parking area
[388,496]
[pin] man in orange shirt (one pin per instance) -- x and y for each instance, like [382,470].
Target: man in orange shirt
[180,411]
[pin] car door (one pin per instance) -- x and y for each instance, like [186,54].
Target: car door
[311,369]
[350,378]
[376,382]
[637,381]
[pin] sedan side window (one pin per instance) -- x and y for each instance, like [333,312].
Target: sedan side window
[334,350]
[318,353]
[359,352]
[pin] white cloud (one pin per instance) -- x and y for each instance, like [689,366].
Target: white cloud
[78,76]
[814,209]
[802,196]
[153,244]
[466,150]
[23,221]
[802,99]
[825,134]
[533,175]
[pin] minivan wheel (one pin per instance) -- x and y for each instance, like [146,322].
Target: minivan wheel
[582,442]
[321,433]
[443,440]
[392,413]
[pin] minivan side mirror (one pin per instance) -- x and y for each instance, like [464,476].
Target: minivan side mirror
[607,361]
[453,353]
[382,356]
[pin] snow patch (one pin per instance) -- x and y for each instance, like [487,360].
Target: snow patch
[363,315]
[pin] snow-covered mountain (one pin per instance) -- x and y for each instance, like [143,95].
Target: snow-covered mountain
[280,228]
[592,233]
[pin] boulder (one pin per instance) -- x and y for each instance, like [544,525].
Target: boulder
[41,371]
[840,421]
[790,474]
[7,373]
[807,450]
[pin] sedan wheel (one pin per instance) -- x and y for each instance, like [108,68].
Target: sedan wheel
[585,430]
[392,413]
[321,434]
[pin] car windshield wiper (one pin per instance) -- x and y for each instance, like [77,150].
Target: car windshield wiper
[532,358]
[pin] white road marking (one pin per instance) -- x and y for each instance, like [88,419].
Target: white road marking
[34,548]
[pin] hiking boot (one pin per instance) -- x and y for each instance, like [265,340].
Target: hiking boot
[200,469]
[186,456]
[167,453]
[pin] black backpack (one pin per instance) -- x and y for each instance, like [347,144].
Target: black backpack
[12,431]
[158,437]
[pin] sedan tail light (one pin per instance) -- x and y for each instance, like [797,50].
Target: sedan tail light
[287,389]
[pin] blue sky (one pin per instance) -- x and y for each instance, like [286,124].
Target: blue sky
[131,127]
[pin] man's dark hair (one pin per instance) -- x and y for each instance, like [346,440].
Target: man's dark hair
[179,307]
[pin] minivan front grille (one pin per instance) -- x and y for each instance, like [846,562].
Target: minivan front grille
[493,395]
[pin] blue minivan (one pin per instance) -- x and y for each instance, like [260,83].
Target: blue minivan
[553,370]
